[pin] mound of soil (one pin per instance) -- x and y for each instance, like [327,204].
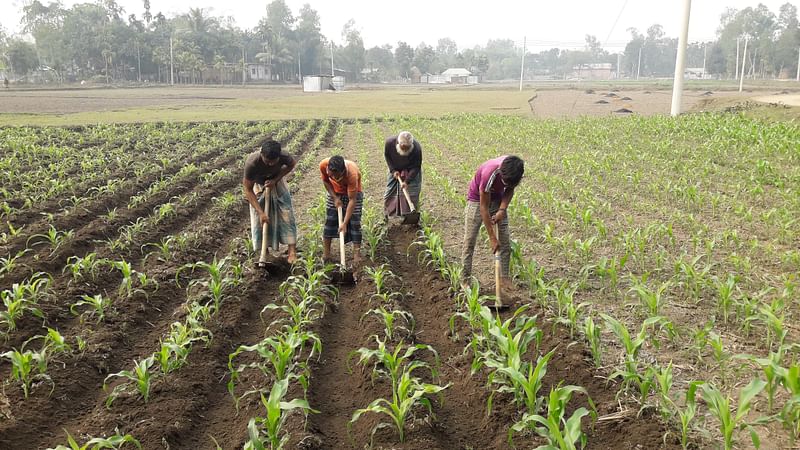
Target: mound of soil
[626,98]
[707,93]
[601,102]
[461,420]
[623,111]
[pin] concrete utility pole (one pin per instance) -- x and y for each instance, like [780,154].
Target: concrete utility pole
[744,58]
[139,61]
[171,68]
[798,64]
[736,73]
[639,65]
[680,61]
[705,47]
[522,64]
[244,64]
[619,70]
[332,74]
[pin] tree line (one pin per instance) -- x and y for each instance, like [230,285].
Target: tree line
[99,42]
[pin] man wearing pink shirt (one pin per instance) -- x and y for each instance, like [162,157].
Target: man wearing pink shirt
[490,193]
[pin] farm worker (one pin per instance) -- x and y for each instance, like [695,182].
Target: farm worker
[489,195]
[403,156]
[263,169]
[342,180]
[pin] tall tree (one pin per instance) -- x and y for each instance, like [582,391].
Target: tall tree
[309,39]
[353,52]
[22,57]
[404,57]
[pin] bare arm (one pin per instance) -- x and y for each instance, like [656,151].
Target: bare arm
[284,171]
[252,199]
[486,218]
[351,206]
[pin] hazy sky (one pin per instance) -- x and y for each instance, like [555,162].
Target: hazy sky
[546,24]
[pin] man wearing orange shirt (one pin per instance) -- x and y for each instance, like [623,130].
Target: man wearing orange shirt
[342,180]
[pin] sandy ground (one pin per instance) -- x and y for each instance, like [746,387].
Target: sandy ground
[542,102]
[786,99]
[570,103]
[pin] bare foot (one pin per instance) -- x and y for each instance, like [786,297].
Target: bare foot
[292,258]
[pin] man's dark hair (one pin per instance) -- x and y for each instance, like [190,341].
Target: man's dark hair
[271,149]
[511,170]
[336,164]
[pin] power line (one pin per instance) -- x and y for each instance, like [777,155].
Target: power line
[615,21]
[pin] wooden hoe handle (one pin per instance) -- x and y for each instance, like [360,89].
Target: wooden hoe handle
[263,259]
[341,238]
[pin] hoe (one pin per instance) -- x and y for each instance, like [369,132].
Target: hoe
[412,218]
[342,276]
[498,303]
[272,264]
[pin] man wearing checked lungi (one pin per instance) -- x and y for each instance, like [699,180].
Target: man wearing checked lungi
[342,180]
[266,169]
[403,156]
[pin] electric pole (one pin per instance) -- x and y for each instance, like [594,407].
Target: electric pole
[332,74]
[639,65]
[798,64]
[171,67]
[736,73]
[522,64]
[619,60]
[680,61]
[744,57]
[705,47]
[139,61]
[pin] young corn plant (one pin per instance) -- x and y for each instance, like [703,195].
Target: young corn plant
[390,321]
[726,295]
[527,383]
[53,237]
[163,250]
[280,355]
[99,305]
[630,370]
[651,300]
[28,366]
[140,376]
[218,278]
[268,432]
[789,415]
[592,335]
[126,289]
[80,267]
[408,392]
[8,263]
[22,298]
[379,275]
[719,405]
[561,433]
[390,363]
[117,441]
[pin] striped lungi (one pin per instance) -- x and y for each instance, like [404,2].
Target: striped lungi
[331,229]
[394,202]
[282,228]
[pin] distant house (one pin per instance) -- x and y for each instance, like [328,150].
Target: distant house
[596,71]
[457,75]
[695,73]
[258,72]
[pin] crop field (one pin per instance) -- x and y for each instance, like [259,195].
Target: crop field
[657,264]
